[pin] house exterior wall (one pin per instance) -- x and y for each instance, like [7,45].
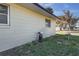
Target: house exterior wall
[77,26]
[24,24]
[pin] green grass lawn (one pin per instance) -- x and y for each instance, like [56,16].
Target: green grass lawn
[57,45]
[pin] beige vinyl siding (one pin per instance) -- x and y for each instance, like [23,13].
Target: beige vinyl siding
[24,24]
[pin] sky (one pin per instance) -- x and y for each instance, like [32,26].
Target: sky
[59,7]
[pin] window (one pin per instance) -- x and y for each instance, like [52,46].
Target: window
[3,14]
[48,23]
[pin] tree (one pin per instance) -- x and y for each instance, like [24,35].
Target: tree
[68,17]
[62,24]
[49,9]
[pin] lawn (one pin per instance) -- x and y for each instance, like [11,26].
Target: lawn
[57,45]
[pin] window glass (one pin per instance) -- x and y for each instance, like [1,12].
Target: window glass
[48,23]
[3,14]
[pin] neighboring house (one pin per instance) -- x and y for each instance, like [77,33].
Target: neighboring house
[77,25]
[19,24]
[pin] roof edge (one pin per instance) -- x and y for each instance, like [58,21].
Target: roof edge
[45,10]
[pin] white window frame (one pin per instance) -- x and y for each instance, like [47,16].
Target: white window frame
[8,15]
